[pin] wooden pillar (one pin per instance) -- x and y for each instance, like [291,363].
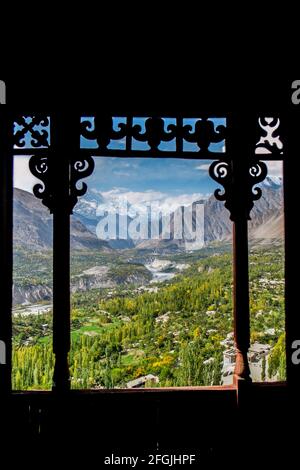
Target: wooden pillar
[241,147]
[241,275]
[6,247]
[60,154]
[239,173]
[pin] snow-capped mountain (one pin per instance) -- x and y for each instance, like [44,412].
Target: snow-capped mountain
[87,205]
[274,182]
[266,223]
[33,226]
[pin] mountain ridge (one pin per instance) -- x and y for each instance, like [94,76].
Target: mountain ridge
[33,222]
[33,226]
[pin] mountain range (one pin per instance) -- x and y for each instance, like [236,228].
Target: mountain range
[33,223]
[33,226]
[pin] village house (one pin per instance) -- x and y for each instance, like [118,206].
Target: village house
[257,353]
[228,342]
[141,382]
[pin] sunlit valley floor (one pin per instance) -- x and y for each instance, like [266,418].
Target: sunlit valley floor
[147,319]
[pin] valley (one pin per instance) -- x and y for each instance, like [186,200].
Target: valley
[158,332]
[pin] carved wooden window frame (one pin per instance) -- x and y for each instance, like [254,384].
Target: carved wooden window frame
[60,163]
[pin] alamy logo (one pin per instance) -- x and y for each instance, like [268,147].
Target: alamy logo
[2,353]
[2,92]
[151,221]
[296,353]
[296,92]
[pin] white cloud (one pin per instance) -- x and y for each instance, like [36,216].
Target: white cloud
[275,168]
[171,203]
[117,199]
[23,179]
[203,167]
[132,196]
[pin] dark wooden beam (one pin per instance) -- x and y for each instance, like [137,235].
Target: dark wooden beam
[6,219]
[240,150]
[241,299]
[61,144]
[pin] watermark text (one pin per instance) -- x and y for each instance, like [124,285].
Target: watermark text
[296,353]
[296,92]
[2,353]
[147,221]
[2,92]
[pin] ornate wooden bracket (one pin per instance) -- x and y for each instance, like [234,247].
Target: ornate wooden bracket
[222,172]
[81,167]
[40,167]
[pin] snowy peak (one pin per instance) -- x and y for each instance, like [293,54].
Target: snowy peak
[87,206]
[273,182]
[33,228]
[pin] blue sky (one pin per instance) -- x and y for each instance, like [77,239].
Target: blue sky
[170,183]
[173,176]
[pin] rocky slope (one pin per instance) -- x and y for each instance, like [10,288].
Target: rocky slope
[33,226]
[266,224]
